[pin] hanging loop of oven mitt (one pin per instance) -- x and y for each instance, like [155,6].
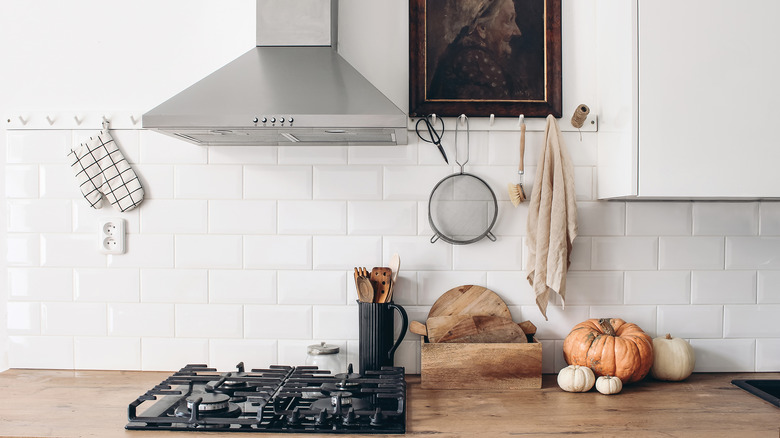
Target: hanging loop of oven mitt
[100,167]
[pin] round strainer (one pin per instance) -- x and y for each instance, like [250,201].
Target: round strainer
[462,208]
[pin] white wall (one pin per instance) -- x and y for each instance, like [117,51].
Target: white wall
[264,239]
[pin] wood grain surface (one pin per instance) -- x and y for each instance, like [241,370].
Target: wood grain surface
[470,300]
[474,329]
[43,403]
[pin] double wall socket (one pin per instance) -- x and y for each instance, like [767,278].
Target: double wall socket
[112,235]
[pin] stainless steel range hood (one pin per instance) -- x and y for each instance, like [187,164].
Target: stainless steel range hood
[294,91]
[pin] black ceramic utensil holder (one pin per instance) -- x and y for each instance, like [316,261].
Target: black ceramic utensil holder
[377,328]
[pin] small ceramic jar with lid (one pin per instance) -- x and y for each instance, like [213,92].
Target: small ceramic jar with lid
[325,357]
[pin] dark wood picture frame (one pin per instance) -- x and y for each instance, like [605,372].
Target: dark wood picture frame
[528,77]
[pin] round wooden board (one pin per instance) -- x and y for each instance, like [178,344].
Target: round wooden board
[470,300]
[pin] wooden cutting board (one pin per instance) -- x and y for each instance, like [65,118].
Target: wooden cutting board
[470,300]
[474,329]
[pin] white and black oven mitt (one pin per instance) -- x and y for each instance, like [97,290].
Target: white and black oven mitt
[100,167]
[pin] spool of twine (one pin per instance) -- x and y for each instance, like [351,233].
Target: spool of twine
[579,116]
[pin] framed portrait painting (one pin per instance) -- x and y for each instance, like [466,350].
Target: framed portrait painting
[483,57]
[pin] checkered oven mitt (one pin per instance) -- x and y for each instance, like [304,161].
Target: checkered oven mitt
[101,168]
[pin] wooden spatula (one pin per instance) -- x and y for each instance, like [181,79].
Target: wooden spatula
[381,278]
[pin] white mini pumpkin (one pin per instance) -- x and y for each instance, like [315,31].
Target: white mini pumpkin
[576,378]
[673,359]
[609,385]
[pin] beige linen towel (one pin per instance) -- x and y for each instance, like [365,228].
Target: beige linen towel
[552,219]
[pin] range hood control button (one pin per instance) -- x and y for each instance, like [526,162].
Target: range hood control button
[265,120]
[290,120]
[255,120]
[273,119]
[281,119]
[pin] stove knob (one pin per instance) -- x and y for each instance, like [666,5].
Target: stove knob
[349,419]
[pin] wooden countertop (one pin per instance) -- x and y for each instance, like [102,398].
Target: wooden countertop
[42,403]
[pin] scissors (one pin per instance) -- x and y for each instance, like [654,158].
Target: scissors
[433,136]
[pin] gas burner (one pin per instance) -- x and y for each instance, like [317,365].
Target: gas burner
[279,399]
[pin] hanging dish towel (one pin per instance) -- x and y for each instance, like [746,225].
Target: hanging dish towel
[100,167]
[552,219]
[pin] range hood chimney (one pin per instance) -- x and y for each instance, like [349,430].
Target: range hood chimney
[292,88]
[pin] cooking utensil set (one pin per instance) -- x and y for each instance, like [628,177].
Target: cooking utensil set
[377,286]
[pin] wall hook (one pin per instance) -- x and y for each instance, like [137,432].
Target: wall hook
[21,119]
[462,119]
[105,120]
[50,119]
[492,119]
[521,120]
[133,119]
[78,122]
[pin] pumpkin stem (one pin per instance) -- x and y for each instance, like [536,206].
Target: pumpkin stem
[668,336]
[607,326]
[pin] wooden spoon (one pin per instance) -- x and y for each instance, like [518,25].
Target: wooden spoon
[381,279]
[395,266]
[365,290]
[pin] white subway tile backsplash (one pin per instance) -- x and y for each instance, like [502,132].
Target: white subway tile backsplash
[312,287]
[691,253]
[243,155]
[278,252]
[584,183]
[768,287]
[175,285]
[209,321]
[505,148]
[418,253]
[581,254]
[503,254]
[278,182]
[407,355]
[348,182]
[335,322]
[725,218]
[432,284]
[106,285]
[768,355]
[659,218]
[657,287]
[769,218]
[724,355]
[278,322]
[232,286]
[413,183]
[21,181]
[40,284]
[312,217]
[37,146]
[23,318]
[242,217]
[401,154]
[208,251]
[510,221]
[168,216]
[141,319]
[601,218]
[594,288]
[23,249]
[346,252]
[559,321]
[156,148]
[213,181]
[511,286]
[48,352]
[752,252]
[144,251]
[127,140]
[723,287]
[57,181]
[101,353]
[78,250]
[318,155]
[156,179]
[73,319]
[87,219]
[404,291]
[751,321]
[702,321]
[624,253]
[225,354]
[382,217]
[170,354]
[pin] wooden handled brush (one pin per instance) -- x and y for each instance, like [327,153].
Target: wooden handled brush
[516,192]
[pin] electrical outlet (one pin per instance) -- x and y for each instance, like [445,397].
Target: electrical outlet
[111,233]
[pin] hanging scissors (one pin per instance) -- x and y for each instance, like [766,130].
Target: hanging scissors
[433,136]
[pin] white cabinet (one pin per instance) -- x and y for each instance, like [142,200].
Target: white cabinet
[688,99]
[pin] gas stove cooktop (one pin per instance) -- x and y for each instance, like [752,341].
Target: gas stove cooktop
[286,399]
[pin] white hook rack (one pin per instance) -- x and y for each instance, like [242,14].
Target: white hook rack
[72,120]
[514,123]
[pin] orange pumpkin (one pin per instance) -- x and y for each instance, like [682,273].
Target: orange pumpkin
[610,347]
